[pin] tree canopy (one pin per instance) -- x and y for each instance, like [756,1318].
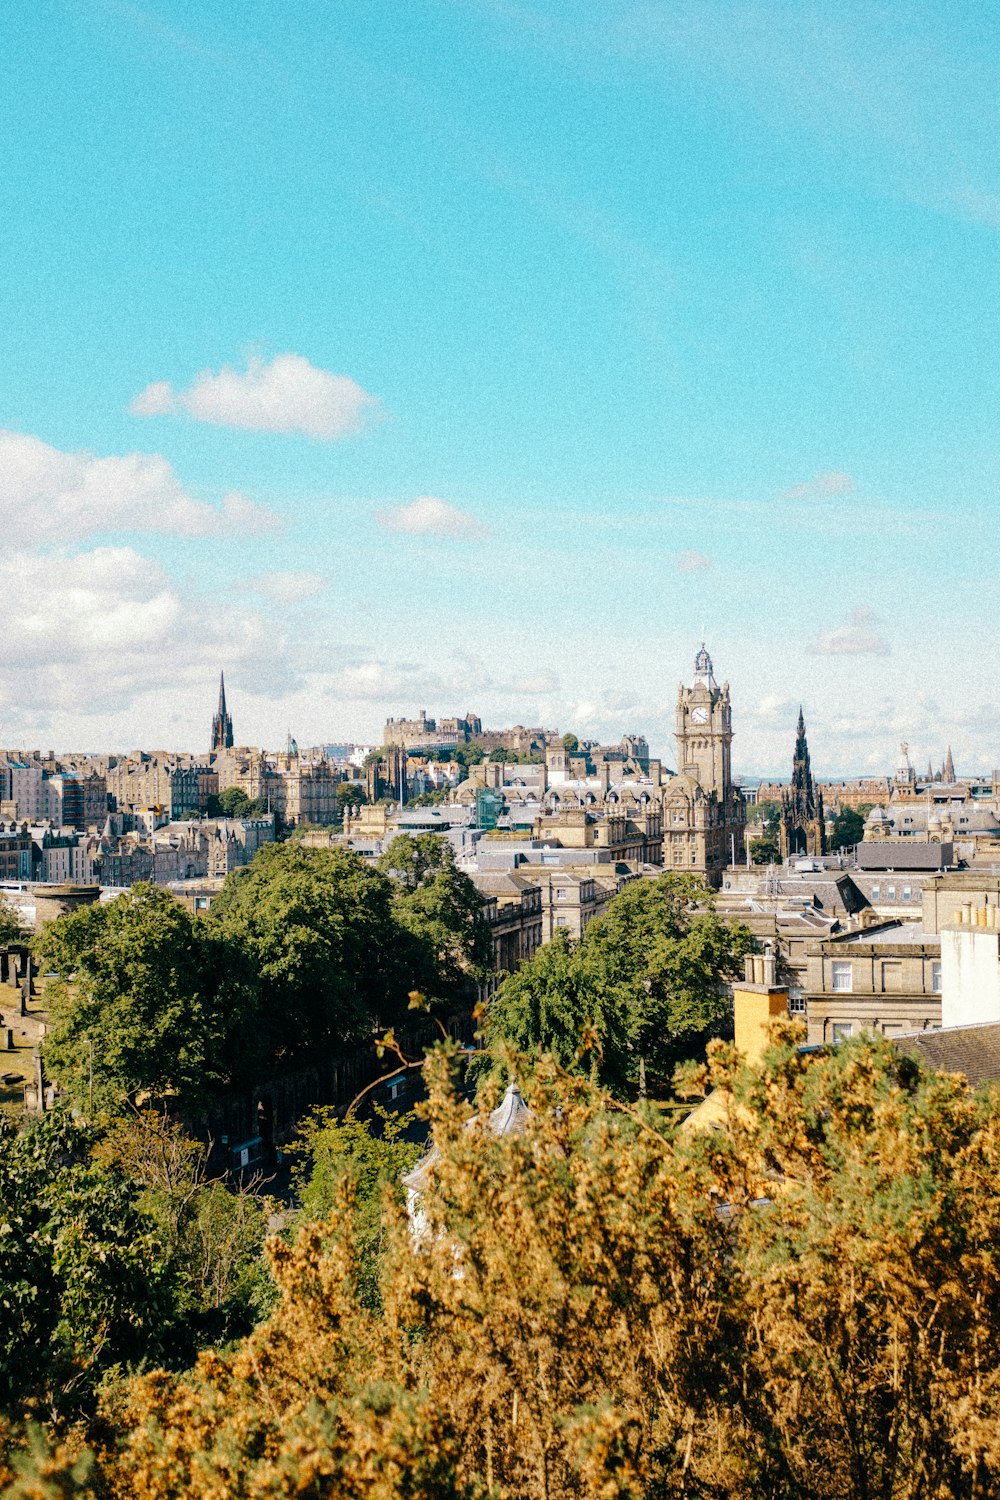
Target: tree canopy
[441,910]
[144,1000]
[318,928]
[848,828]
[648,980]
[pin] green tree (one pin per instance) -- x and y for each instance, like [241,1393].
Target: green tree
[234,803]
[438,905]
[148,997]
[318,928]
[86,1284]
[350,794]
[368,1156]
[566,1002]
[848,828]
[13,929]
[469,755]
[674,956]
[212,1231]
[570,743]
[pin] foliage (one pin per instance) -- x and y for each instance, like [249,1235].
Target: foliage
[318,928]
[764,851]
[564,1002]
[350,794]
[647,980]
[13,929]
[145,993]
[662,941]
[441,910]
[369,1156]
[570,743]
[432,798]
[468,755]
[234,803]
[86,1284]
[213,1232]
[577,1317]
[848,828]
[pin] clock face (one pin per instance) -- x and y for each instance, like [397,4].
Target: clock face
[699,716]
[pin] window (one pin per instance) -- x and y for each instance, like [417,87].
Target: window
[890,893]
[875,892]
[842,976]
[841,1031]
[796,1002]
[562,920]
[906,893]
[936,977]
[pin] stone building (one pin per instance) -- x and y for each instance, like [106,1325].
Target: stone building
[704,815]
[802,828]
[883,977]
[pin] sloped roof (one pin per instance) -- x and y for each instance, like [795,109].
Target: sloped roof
[972,1050]
[510,1117]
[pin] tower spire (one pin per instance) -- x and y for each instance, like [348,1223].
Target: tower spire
[222,724]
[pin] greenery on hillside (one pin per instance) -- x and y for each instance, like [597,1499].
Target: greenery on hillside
[803,1302]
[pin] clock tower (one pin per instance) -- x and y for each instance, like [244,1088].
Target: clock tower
[704,815]
[704,730]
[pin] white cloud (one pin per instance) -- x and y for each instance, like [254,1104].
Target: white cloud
[693,562]
[830,482]
[287,587]
[98,631]
[861,636]
[47,495]
[428,516]
[287,395]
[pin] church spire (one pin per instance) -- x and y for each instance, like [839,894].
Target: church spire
[222,724]
[949,767]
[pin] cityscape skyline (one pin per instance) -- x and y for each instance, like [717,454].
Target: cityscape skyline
[476,356]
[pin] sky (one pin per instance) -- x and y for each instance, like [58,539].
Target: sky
[486,355]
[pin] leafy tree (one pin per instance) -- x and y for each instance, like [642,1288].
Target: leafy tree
[440,908]
[212,1231]
[469,755]
[12,928]
[765,850]
[501,754]
[848,828]
[350,794]
[570,743]
[146,997]
[565,1002]
[368,1156]
[318,927]
[86,1284]
[234,803]
[662,941]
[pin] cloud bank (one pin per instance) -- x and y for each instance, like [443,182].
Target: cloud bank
[287,395]
[47,496]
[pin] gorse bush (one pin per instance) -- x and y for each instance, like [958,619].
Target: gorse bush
[803,1301]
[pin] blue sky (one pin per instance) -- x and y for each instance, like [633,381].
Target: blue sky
[477,356]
